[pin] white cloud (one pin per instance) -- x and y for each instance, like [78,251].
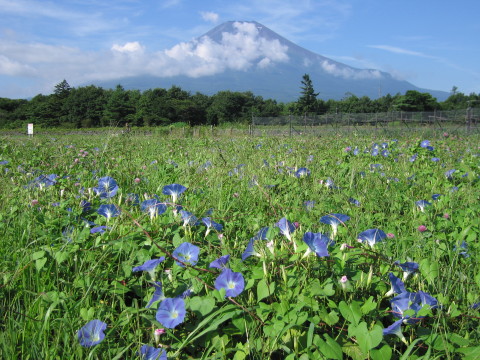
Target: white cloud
[209,16]
[129,47]
[398,50]
[14,68]
[349,73]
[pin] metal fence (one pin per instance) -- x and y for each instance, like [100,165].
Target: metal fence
[453,121]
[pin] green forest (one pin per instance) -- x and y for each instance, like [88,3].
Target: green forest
[92,106]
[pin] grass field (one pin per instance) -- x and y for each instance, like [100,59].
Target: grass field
[356,246]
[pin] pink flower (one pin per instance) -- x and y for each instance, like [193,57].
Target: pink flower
[137,181]
[344,279]
[35,202]
[296,224]
[390,235]
[446,216]
[422,228]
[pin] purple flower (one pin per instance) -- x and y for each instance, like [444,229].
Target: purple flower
[302,172]
[92,333]
[149,265]
[397,285]
[108,210]
[422,204]
[286,228]
[151,353]
[317,243]
[250,250]
[188,218]
[372,236]
[220,263]
[98,229]
[157,294]
[209,223]
[187,253]
[107,187]
[232,282]
[395,329]
[174,190]
[334,220]
[171,312]
[261,234]
[153,207]
[425,143]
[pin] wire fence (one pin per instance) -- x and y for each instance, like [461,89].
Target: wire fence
[465,121]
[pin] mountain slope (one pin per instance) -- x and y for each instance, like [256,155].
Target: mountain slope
[247,56]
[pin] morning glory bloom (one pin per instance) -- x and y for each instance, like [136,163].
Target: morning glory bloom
[408,268]
[174,190]
[210,224]
[385,153]
[302,172]
[354,201]
[186,253]
[250,250]
[151,353]
[4,162]
[309,204]
[99,229]
[395,329]
[334,220]
[171,312]
[286,228]
[92,333]
[371,236]
[397,285]
[413,158]
[153,207]
[435,159]
[261,234]
[422,204]
[374,152]
[317,243]
[43,181]
[157,294]
[463,249]
[425,143]
[403,302]
[188,218]
[107,187]
[449,173]
[356,151]
[220,263]
[232,282]
[108,210]
[149,266]
[436,196]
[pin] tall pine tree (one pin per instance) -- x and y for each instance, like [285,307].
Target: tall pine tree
[307,102]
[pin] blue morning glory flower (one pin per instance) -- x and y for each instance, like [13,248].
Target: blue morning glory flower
[463,249]
[232,282]
[210,224]
[151,353]
[422,204]
[4,162]
[354,201]
[261,234]
[286,228]
[98,229]
[85,205]
[187,253]
[436,196]
[435,159]
[317,243]
[43,181]
[92,333]
[372,236]
[250,250]
[408,268]
[188,218]
[425,143]
[107,187]
[309,204]
[108,210]
[153,207]
[171,312]
[430,148]
[449,173]
[133,199]
[157,294]
[413,158]
[395,329]
[385,153]
[149,265]
[174,190]
[397,285]
[356,151]
[334,220]
[220,263]
[403,302]
[302,172]
[374,152]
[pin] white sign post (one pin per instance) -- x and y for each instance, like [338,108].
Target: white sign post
[30,130]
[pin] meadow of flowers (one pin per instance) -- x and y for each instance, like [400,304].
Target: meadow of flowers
[129,247]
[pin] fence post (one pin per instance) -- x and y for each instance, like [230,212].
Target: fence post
[290,130]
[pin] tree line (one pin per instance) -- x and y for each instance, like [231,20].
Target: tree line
[92,106]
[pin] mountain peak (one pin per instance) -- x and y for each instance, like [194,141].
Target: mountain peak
[248,56]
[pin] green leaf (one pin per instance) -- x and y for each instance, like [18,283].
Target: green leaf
[384,353]
[39,263]
[264,290]
[38,254]
[368,306]
[61,256]
[366,339]
[203,305]
[329,348]
[471,353]
[351,312]
[429,270]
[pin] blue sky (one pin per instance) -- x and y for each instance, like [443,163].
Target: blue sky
[432,44]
